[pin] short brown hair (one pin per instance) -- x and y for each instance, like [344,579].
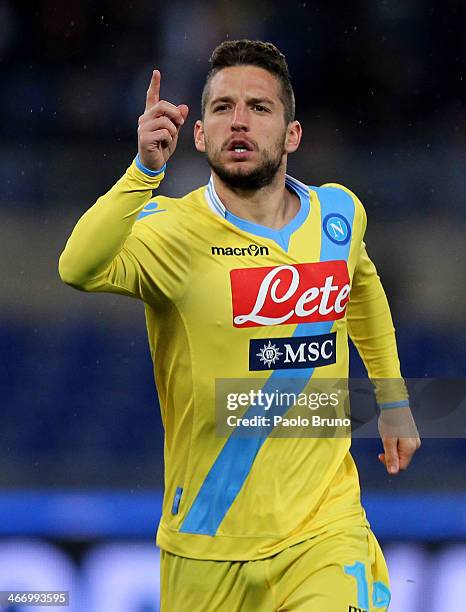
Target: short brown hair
[252,53]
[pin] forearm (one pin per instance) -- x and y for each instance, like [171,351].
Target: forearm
[101,232]
[370,326]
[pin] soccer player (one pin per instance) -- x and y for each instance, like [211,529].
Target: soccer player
[248,278]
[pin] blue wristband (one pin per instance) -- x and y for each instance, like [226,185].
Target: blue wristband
[148,171]
[400,404]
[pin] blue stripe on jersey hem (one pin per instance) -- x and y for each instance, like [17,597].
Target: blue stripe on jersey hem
[400,404]
[148,171]
[176,500]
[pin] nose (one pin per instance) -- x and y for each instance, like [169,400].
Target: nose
[240,120]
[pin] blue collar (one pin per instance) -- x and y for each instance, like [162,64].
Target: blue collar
[280,236]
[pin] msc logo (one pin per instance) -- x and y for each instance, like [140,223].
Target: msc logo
[354,609]
[292,353]
[337,228]
[253,250]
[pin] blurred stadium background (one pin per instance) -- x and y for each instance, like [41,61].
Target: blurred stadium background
[379,88]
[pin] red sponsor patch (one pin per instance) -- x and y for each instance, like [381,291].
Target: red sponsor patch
[299,293]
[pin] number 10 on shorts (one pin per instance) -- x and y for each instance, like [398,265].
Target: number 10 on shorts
[380,592]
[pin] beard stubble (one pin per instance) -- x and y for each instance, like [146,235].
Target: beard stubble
[248,180]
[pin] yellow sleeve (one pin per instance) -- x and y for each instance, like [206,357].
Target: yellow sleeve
[370,323]
[108,252]
[370,327]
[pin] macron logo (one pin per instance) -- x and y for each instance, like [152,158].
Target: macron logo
[253,250]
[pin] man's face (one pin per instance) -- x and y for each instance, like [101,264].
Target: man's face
[243,133]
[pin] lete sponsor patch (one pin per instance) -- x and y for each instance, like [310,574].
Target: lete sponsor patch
[279,295]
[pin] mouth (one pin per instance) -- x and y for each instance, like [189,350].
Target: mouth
[239,149]
[239,145]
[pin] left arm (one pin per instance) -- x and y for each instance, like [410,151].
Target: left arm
[371,328]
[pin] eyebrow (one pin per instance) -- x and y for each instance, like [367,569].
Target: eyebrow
[256,100]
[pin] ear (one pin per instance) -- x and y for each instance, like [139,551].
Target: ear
[199,141]
[294,132]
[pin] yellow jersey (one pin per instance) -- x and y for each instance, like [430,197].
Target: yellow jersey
[227,299]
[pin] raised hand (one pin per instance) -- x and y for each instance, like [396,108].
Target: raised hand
[159,127]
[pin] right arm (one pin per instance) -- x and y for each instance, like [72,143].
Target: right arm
[102,253]
[101,249]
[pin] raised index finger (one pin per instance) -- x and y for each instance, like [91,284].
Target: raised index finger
[153,93]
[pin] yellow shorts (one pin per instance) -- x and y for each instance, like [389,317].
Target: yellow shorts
[337,571]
